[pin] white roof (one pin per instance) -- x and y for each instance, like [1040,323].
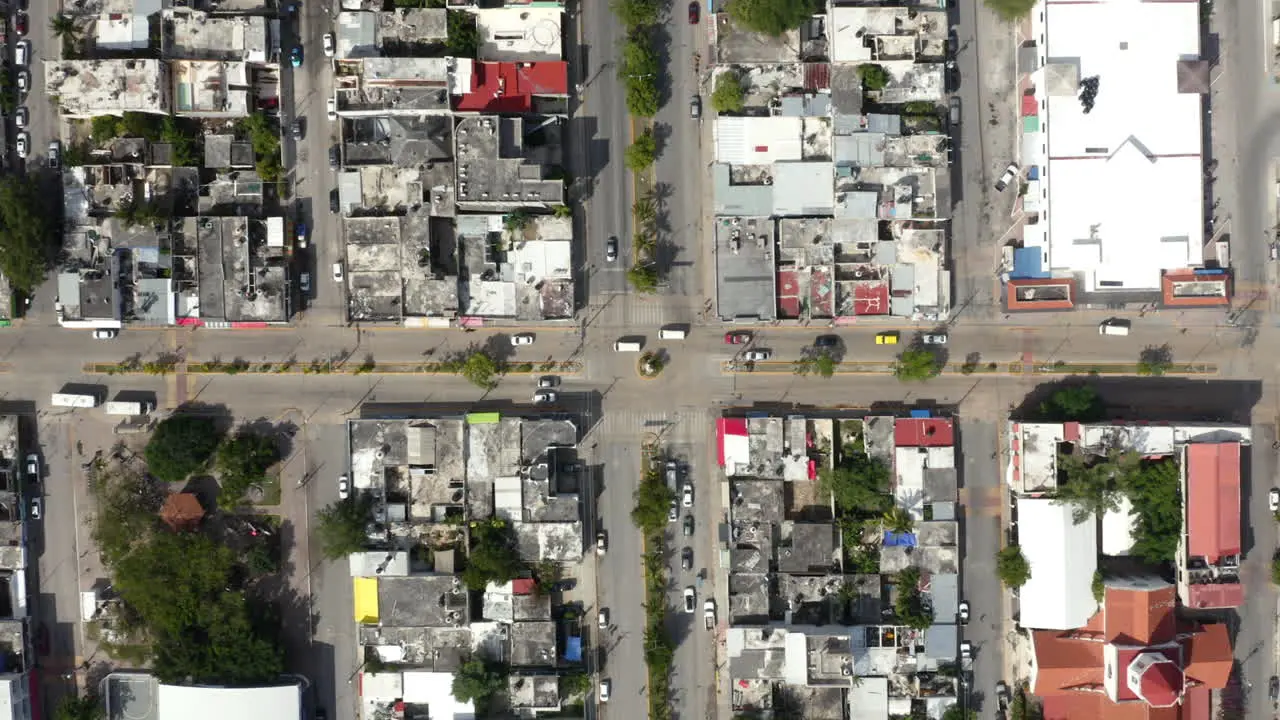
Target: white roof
[182,702]
[1063,557]
[1125,185]
[758,140]
[436,689]
[1117,529]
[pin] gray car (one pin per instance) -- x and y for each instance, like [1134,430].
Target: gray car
[611,249]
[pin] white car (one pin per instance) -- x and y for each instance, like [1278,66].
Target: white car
[331,109]
[522,339]
[690,599]
[963,612]
[673,512]
[21,118]
[966,650]
[1010,173]
[602,620]
[602,543]
[24,145]
[548,381]
[605,686]
[544,396]
[1273,499]
[344,487]
[756,355]
[327,42]
[687,497]
[105,334]
[337,272]
[935,339]
[33,466]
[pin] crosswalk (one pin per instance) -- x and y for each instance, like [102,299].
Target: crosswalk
[629,311]
[630,423]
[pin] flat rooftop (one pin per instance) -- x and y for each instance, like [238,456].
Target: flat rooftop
[210,88]
[85,88]
[522,33]
[745,268]
[493,167]
[196,35]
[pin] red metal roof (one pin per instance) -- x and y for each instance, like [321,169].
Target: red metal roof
[1213,500]
[1015,304]
[871,298]
[1161,684]
[728,426]
[817,76]
[522,586]
[1215,596]
[1172,278]
[923,432]
[509,87]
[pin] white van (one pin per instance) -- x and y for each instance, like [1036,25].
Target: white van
[1113,327]
[672,333]
[627,346]
[22,53]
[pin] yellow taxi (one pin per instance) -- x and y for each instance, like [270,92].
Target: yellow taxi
[887,338]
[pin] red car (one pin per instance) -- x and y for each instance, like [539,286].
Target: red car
[737,338]
[693,12]
[20,23]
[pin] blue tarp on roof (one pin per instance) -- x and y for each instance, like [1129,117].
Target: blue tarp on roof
[1027,263]
[893,539]
[920,414]
[573,649]
[1033,173]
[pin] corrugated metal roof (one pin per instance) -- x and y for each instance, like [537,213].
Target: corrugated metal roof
[803,188]
[862,149]
[1213,505]
[733,199]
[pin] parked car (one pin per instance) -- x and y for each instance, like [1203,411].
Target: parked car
[602,543]
[688,525]
[827,341]
[24,82]
[21,118]
[1273,499]
[737,338]
[695,10]
[934,339]
[548,381]
[337,272]
[690,599]
[300,234]
[344,487]
[327,43]
[953,107]
[1002,694]
[335,205]
[602,618]
[37,508]
[611,249]
[963,612]
[33,466]
[887,338]
[695,107]
[295,56]
[522,339]
[686,558]
[331,109]
[686,497]
[756,355]
[54,154]
[334,159]
[576,466]
[673,512]
[966,650]
[1010,173]
[605,686]
[24,144]
[20,23]
[1273,689]
[304,284]
[22,53]
[105,334]
[543,397]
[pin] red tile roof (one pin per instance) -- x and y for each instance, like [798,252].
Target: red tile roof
[509,87]
[1015,304]
[522,586]
[923,432]
[1161,684]
[1213,499]
[1223,595]
[1139,617]
[1208,656]
[1172,278]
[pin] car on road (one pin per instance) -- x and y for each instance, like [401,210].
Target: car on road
[22,53]
[695,107]
[756,355]
[605,686]
[334,159]
[548,381]
[295,129]
[1010,173]
[54,154]
[688,525]
[337,272]
[37,508]
[24,82]
[21,118]
[574,466]
[695,12]
[1273,689]
[544,396]
[20,23]
[934,338]
[335,205]
[602,618]
[602,543]
[827,341]
[300,234]
[887,338]
[737,338]
[522,339]
[953,109]
[673,512]
[686,498]
[331,109]
[611,249]
[963,612]
[953,43]
[105,334]
[966,650]
[686,558]
[33,466]
[295,56]
[1273,499]
[24,144]
[304,284]
[327,43]
[1002,694]
[690,599]
[344,487]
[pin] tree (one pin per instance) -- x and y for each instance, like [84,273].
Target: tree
[340,526]
[575,684]
[955,712]
[1155,360]
[917,364]
[86,707]
[139,125]
[463,37]
[181,445]
[653,501]
[28,232]
[645,211]
[103,128]
[64,28]
[729,95]
[1094,485]
[261,560]
[1010,10]
[908,604]
[897,520]
[562,211]
[771,17]
[635,14]
[493,556]
[1012,567]
[1275,568]
[478,681]
[481,369]
[1098,587]
[643,278]
[1077,403]
[1154,491]
[184,139]
[874,77]
[639,68]
[127,503]
[516,221]
[642,152]
[859,484]
[820,363]
[242,461]
[1024,706]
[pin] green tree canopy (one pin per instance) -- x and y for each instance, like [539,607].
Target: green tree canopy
[955,712]
[874,77]
[463,37]
[1094,484]
[908,604]
[730,94]
[1275,568]
[28,231]
[859,485]
[86,707]
[1012,567]
[819,363]
[643,278]
[1155,360]
[493,556]
[1155,492]
[340,526]
[127,503]
[185,138]
[635,14]
[653,499]
[481,369]
[243,461]
[771,17]
[1076,403]
[639,69]
[181,445]
[641,153]
[1010,10]
[1024,706]
[917,364]
[478,682]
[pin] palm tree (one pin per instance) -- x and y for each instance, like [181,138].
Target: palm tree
[898,520]
[64,27]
